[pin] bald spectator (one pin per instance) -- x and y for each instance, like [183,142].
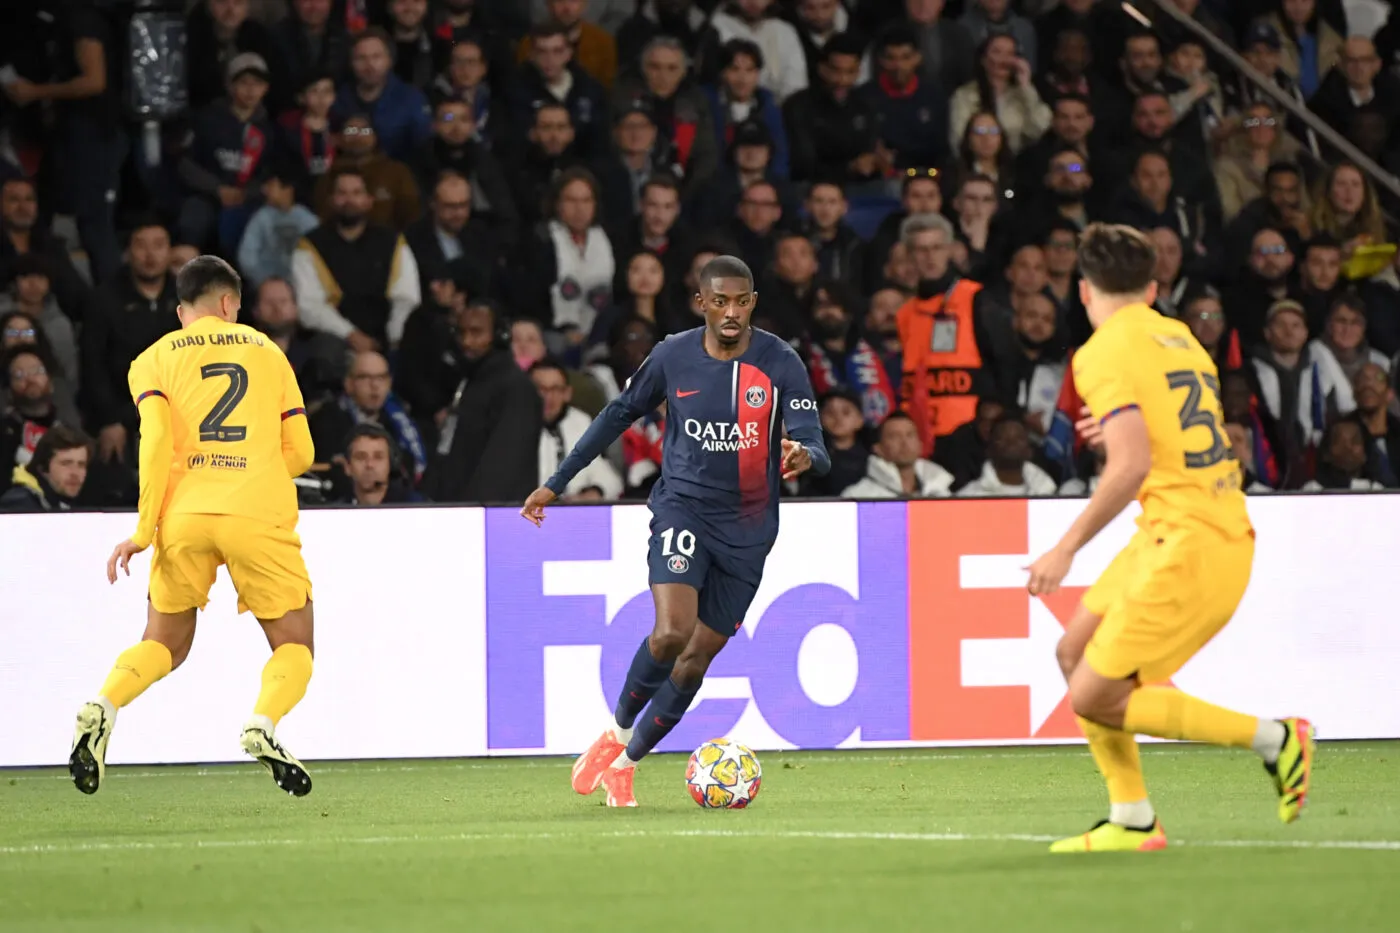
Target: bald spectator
[1359,100]
[454,251]
[1268,279]
[368,398]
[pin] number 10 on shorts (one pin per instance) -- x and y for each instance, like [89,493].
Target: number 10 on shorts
[677,558]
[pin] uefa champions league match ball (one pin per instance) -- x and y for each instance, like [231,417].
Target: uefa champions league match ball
[723,775]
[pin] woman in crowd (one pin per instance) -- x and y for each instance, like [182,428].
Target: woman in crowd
[1247,155]
[1346,207]
[1344,337]
[983,151]
[1311,47]
[1004,87]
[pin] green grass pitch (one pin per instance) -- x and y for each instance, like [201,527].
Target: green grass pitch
[950,840]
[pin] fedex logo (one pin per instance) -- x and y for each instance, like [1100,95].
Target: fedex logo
[822,659]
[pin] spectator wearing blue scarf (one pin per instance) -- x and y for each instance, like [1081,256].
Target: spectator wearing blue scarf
[368,398]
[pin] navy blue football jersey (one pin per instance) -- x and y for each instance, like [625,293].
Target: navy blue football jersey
[722,454]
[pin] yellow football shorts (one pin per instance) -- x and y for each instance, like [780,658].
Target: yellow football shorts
[264,562]
[1163,598]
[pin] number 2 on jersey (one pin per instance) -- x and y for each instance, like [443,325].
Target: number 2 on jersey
[1192,415]
[213,428]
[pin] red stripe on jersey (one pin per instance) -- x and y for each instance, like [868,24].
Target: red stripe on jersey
[149,393]
[754,407]
[292,413]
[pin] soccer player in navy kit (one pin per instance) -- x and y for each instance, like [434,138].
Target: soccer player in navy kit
[730,390]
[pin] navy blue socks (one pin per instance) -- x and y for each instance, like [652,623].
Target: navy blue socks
[667,708]
[644,677]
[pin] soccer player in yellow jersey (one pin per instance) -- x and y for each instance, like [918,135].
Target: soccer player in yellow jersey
[223,432]
[1152,395]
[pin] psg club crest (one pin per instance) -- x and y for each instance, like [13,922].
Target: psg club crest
[678,564]
[755,396]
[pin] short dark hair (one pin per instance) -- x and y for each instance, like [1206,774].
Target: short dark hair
[548,30]
[1073,99]
[146,221]
[1151,152]
[1116,259]
[725,267]
[1140,33]
[316,76]
[204,275]
[917,174]
[1348,298]
[284,173]
[1322,240]
[368,429]
[550,362]
[1281,168]
[552,103]
[56,439]
[894,36]
[843,43]
[375,32]
[896,415]
[37,350]
[347,171]
[735,48]
[662,180]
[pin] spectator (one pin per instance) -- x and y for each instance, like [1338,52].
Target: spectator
[1060,247]
[1068,74]
[1267,281]
[840,249]
[1343,339]
[1359,100]
[371,465]
[55,475]
[1151,200]
[1031,374]
[1301,392]
[900,271]
[551,74]
[1003,86]
[1262,49]
[843,426]
[33,407]
[945,45]
[754,229]
[977,244]
[836,132]
[641,451]
[1172,284]
[630,345]
[657,229]
[911,109]
[964,451]
[89,142]
[430,358]
[368,397]
[785,72]
[838,357]
[643,295]
[317,359]
[985,18]
[1320,280]
[595,50]
[274,230]
[21,235]
[398,111]
[562,427]
[750,160]
[1201,13]
[679,109]
[471,21]
[569,264]
[1346,207]
[30,295]
[1284,207]
[1380,428]
[227,159]
[624,173]
[1311,48]
[181,254]
[1202,312]
[1008,470]
[393,192]
[896,471]
[738,99]
[817,23]
[983,151]
[549,154]
[1240,171]
[1105,26]
[1094,460]
[454,252]
[941,336]
[126,316]
[1200,112]
[790,289]
[688,314]
[920,193]
[682,20]
[355,280]
[1023,277]
[312,42]
[218,31]
[414,53]
[305,135]
[464,80]
[1342,464]
[1242,442]
[1144,72]
[488,448]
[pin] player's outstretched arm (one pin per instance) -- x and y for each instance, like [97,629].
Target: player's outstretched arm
[1129,450]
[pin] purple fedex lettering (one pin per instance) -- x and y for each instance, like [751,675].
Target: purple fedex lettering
[521,622]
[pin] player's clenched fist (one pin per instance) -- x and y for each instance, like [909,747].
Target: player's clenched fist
[533,510]
[796,459]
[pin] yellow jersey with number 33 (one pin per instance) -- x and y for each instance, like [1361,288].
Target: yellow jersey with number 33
[229,388]
[1140,359]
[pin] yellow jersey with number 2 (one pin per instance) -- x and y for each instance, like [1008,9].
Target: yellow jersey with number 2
[1140,359]
[228,388]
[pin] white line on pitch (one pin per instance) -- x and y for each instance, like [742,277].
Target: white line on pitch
[196,844]
[234,769]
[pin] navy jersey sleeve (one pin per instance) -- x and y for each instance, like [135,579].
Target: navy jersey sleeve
[642,394]
[800,415]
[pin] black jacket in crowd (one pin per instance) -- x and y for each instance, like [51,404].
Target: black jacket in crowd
[488,450]
[120,324]
[587,103]
[492,199]
[473,272]
[224,150]
[832,134]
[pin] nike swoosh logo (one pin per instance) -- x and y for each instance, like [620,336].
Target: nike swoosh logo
[680,394]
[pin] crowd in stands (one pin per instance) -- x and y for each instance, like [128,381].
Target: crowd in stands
[467,222]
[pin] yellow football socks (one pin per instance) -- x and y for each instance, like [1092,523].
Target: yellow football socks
[136,669]
[284,681]
[1116,754]
[1168,713]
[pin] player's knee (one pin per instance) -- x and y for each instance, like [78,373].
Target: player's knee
[667,641]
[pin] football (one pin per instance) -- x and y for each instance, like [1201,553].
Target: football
[723,775]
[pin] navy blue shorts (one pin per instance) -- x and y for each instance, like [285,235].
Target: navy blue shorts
[726,578]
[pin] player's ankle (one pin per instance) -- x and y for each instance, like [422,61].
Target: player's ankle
[259,721]
[1136,815]
[622,733]
[622,761]
[1269,737]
